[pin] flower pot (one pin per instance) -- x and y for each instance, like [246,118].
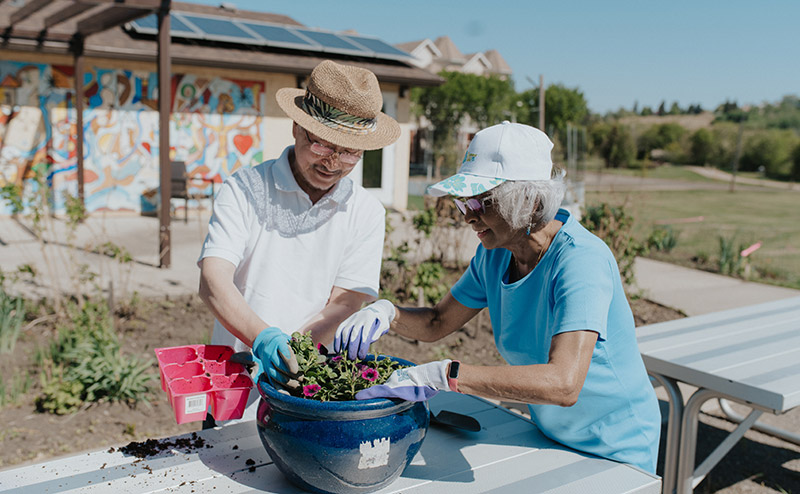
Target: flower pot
[340,446]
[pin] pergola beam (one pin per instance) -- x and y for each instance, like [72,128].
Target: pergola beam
[144,4]
[110,17]
[28,10]
[66,13]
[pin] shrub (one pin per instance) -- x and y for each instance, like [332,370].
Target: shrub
[730,260]
[12,315]
[771,149]
[662,239]
[429,276]
[701,147]
[88,364]
[614,225]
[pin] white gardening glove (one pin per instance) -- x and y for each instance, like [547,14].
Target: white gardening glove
[363,328]
[418,383]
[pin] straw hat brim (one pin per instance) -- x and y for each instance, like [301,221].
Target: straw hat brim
[386,131]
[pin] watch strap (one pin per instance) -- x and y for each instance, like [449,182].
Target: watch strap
[452,375]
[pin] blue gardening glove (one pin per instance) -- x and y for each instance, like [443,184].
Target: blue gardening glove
[363,328]
[273,355]
[418,383]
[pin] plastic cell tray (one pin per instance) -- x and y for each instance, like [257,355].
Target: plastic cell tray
[197,378]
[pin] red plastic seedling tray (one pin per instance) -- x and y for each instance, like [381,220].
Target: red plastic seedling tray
[196,377]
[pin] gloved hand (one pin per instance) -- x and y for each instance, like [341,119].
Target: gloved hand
[418,383]
[363,328]
[272,353]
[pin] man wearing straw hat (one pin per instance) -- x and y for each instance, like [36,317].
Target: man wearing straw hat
[293,244]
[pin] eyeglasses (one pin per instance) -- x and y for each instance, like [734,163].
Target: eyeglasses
[476,205]
[321,150]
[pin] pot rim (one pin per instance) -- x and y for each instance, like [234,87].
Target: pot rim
[315,409]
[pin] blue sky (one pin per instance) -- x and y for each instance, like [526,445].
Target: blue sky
[615,52]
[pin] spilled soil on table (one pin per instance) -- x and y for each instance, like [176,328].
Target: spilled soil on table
[29,436]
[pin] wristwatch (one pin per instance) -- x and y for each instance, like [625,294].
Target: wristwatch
[452,375]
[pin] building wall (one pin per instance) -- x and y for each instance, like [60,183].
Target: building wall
[221,120]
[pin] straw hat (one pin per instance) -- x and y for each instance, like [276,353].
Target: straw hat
[342,105]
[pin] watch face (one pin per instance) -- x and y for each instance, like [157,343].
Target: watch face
[454,365]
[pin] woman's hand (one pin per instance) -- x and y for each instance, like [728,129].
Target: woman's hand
[363,328]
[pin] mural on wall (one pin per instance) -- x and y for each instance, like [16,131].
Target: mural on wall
[215,128]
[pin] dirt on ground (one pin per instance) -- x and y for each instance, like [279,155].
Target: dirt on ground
[29,436]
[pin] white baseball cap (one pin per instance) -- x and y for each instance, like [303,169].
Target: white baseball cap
[507,151]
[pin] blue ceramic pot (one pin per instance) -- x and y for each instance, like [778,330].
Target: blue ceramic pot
[340,446]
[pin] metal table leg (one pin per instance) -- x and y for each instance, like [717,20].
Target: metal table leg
[675,399]
[765,428]
[688,477]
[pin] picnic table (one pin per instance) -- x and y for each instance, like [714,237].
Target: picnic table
[509,454]
[749,355]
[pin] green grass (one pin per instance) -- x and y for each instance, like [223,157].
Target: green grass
[771,217]
[670,172]
[416,203]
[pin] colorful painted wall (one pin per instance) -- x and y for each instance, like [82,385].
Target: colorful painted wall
[216,127]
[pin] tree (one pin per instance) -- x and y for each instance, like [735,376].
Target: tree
[618,149]
[796,163]
[701,147]
[660,136]
[675,109]
[562,106]
[662,110]
[647,111]
[486,100]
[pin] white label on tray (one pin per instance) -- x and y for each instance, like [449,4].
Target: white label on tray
[194,404]
[374,454]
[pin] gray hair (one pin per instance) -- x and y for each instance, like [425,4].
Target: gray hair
[531,203]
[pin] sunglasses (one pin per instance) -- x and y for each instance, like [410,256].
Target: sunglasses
[475,205]
[322,150]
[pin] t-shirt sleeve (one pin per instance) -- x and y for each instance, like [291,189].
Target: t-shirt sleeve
[227,229]
[582,293]
[470,289]
[360,269]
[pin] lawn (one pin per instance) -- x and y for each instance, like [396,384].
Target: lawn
[770,216]
[669,172]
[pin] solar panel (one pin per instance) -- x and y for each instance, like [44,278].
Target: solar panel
[251,32]
[279,36]
[377,46]
[220,29]
[332,42]
[149,25]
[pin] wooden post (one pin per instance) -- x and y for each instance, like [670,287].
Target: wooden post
[541,103]
[79,71]
[164,109]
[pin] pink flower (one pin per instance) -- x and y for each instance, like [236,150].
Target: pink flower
[336,358]
[310,390]
[369,374]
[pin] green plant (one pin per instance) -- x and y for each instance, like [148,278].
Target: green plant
[328,377]
[89,363]
[429,276]
[662,239]
[730,260]
[10,392]
[12,315]
[614,226]
[425,220]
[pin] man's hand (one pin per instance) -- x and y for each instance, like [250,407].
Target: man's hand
[418,383]
[272,353]
[363,328]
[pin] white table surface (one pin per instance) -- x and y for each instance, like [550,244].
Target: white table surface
[509,454]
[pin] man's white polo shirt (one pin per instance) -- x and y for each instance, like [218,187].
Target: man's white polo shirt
[288,253]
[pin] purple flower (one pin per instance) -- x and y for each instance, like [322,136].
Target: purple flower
[310,390]
[336,358]
[369,374]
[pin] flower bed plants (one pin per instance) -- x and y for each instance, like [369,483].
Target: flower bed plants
[328,377]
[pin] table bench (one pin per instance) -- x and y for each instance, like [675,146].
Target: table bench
[749,355]
[509,454]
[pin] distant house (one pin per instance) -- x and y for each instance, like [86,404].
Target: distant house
[436,56]
[227,65]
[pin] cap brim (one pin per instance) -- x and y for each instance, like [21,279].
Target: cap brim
[464,185]
[386,132]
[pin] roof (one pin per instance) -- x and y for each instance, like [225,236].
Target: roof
[499,64]
[121,44]
[449,49]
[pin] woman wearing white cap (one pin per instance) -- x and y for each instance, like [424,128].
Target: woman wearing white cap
[558,310]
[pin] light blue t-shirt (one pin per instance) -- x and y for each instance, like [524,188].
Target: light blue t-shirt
[576,286]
